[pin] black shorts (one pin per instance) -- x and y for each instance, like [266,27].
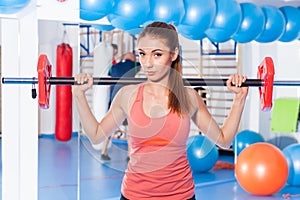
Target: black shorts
[124,198]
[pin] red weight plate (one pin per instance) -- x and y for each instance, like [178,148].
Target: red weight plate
[44,69]
[266,74]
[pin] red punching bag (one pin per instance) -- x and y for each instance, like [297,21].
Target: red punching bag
[63,125]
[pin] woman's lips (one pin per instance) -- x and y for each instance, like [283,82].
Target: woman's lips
[150,73]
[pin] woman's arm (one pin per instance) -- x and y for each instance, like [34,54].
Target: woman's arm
[96,131]
[222,136]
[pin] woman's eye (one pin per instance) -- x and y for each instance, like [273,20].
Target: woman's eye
[141,54]
[158,54]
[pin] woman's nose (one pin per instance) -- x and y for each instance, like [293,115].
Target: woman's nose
[148,62]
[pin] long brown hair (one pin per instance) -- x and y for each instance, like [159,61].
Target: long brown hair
[178,98]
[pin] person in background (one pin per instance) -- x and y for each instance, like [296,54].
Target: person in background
[115,53]
[159,112]
[127,67]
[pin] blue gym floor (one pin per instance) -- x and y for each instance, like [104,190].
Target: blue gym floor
[73,170]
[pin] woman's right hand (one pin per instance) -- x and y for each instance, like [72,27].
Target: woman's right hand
[84,82]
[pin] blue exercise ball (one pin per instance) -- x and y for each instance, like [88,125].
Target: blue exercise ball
[198,17]
[202,154]
[253,21]
[166,11]
[292,154]
[102,27]
[129,14]
[282,141]
[292,27]
[190,32]
[274,25]
[227,21]
[95,9]
[244,139]
[12,6]
[134,31]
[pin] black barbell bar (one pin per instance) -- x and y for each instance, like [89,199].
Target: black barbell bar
[126,81]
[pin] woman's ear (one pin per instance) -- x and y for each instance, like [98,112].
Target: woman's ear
[175,54]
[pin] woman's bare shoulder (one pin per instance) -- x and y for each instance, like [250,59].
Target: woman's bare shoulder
[192,94]
[127,95]
[194,98]
[129,89]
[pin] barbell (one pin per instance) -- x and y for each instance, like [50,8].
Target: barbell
[265,81]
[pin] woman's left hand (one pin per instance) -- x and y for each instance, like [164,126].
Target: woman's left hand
[234,84]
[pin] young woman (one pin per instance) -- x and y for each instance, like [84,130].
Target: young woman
[159,113]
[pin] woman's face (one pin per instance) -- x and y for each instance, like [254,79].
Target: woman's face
[155,57]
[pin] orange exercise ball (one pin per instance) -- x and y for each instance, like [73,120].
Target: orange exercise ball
[261,169]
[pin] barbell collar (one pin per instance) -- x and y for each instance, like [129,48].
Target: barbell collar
[20,80]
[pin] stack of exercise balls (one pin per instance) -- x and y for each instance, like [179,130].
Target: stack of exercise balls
[262,168]
[217,20]
[202,153]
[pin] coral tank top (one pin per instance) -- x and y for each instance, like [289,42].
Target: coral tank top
[158,166]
